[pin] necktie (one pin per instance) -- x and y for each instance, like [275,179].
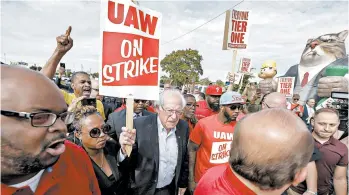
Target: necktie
[136,116]
[24,191]
[305,79]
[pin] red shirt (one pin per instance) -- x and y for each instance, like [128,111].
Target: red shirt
[333,153]
[151,109]
[203,110]
[72,174]
[201,104]
[120,108]
[221,180]
[214,139]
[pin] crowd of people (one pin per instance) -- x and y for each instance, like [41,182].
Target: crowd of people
[215,142]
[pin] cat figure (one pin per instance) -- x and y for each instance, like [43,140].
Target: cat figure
[319,53]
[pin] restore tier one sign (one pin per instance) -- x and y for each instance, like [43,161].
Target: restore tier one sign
[237,28]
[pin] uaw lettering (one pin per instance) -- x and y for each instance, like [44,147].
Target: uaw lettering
[220,150]
[143,22]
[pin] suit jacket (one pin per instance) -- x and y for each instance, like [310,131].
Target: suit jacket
[145,156]
[293,72]
[117,120]
[305,114]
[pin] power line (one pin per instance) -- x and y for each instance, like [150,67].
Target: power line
[174,39]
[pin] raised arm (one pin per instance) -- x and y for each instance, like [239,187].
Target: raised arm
[64,44]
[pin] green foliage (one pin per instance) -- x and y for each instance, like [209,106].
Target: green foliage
[220,83]
[95,75]
[205,81]
[183,66]
[164,79]
[244,82]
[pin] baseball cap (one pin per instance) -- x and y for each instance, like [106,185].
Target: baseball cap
[231,97]
[214,90]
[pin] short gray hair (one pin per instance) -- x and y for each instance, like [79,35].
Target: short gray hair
[171,93]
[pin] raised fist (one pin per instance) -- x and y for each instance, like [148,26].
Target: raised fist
[330,84]
[64,42]
[267,86]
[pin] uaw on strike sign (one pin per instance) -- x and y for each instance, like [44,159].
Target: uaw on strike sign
[237,28]
[130,50]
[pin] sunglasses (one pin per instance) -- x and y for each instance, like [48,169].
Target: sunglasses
[296,99]
[191,105]
[139,101]
[96,132]
[236,106]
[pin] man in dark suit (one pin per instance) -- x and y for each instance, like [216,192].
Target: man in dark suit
[308,112]
[159,158]
[117,120]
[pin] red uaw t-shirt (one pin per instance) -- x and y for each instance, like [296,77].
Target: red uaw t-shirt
[220,180]
[214,139]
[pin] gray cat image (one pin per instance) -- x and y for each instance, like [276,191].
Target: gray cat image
[319,53]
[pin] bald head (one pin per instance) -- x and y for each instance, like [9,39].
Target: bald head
[274,100]
[23,89]
[270,147]
[23,143]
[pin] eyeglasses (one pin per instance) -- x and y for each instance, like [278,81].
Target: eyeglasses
[40,119]
[96,132]
[140,101]
[170,112]
[236,106]
[295,99]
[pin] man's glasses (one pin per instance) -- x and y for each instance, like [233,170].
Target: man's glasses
[236,106]
[170,112]
[140,101]
[295,99]
[40,119]
[96,132]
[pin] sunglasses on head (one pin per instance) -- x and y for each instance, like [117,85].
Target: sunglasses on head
[96,132]
[138,101]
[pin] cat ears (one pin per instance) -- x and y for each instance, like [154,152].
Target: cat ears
[343,35]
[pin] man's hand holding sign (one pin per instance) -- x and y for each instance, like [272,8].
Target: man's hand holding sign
[130,57]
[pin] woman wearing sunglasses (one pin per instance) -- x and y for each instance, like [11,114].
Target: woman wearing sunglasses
[91,131]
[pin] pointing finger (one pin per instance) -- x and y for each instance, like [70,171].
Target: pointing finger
[68,31]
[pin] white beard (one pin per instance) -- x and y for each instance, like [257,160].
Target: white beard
[322,59]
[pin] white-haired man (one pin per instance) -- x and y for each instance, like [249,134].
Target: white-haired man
[159,159]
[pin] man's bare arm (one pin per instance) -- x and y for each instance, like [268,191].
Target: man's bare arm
[192,149]
[64,44]
[340,180]
[312,177]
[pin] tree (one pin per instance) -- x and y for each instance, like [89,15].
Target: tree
[183,66]
[245,79]
[220,83]
[95,75]
[205,81]
[164,79]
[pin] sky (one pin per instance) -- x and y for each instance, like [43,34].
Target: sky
[279,30]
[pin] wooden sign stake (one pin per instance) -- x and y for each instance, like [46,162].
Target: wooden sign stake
[231,86]
[129,119]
